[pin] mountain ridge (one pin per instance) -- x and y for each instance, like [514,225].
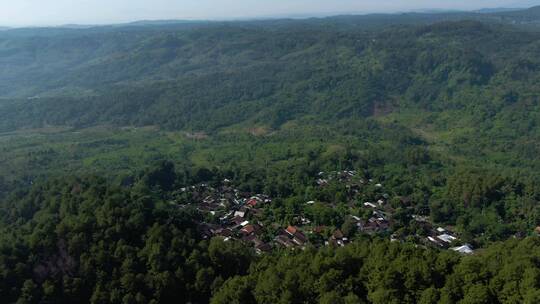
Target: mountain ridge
[508,11]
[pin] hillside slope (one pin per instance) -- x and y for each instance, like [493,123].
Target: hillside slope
[467,85]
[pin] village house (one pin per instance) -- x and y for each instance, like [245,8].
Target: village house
[299,239]
[370,205]
[357,221]
[264,247]
[465,249]
[236,221]
[303,220]
[442,237]
[241,213]
[446,238]
[420,218]
[284,241]
[226,232]
[374,225]
[322,182]
[337,239]
[435,241]
[295,235]
[252,203]
[291,230]
[250,229]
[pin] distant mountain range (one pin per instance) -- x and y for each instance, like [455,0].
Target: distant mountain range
[497,10]
[528,15]
[506,14]
[524,3]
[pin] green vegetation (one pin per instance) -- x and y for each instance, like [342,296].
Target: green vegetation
[69,241]
[445,114]
[84,240]
[381,272]
[452,83]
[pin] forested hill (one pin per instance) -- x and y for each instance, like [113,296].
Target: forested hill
[232,73]
[462,75]
[528,16]
[82,240]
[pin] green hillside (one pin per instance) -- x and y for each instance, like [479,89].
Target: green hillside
[166,162]
[451,82]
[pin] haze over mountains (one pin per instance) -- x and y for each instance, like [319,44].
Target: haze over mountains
[511,7]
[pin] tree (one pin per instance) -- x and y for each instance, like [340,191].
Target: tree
[235,291]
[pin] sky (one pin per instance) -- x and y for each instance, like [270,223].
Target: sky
[58,12]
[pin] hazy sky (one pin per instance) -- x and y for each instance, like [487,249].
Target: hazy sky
[54,12]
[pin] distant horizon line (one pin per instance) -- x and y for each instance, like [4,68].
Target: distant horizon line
[298,16]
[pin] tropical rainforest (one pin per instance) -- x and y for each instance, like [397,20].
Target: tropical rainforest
[101,127]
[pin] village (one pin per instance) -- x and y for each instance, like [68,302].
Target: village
[235,215]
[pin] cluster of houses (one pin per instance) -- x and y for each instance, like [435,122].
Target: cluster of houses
[337,239]
[379,221]
[381,213]
[291,237]
[442,238]
[342,176]
[248,232]
[225,201]
[235,214]
[239,216]
[445,238]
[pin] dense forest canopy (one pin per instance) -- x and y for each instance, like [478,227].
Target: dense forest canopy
[213,73]
[85,240]
[434,117]
[433,78]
